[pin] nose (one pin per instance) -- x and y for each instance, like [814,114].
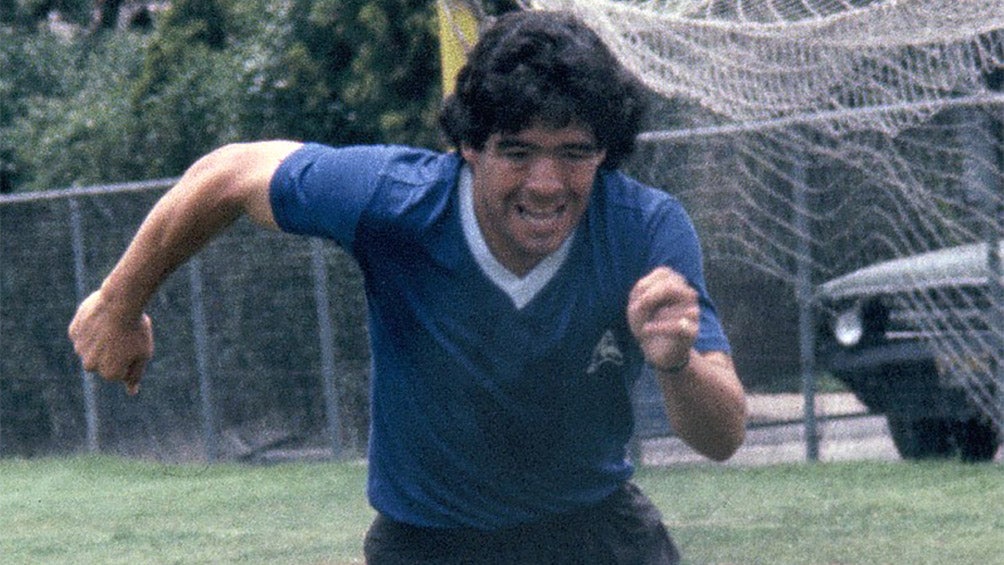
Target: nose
[544,176]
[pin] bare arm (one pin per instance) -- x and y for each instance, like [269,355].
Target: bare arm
[706,404]
[704,398]
[110,332]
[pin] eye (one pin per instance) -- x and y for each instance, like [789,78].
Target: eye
[577,154]
[516,154]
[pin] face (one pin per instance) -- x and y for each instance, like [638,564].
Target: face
[531,188]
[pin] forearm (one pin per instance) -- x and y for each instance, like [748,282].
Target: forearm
[109,331]
[212,194]
[706,404]
[181,222]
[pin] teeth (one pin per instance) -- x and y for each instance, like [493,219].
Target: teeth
[540,214]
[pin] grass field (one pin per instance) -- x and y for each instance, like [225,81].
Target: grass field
[108,510]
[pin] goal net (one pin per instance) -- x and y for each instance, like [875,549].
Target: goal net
[814,137]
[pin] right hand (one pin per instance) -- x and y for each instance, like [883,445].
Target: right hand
[109,344]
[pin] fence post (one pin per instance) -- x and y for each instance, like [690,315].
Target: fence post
[1,335]
[980,181]
[326,335]
[201,340]
[806,303]
[998,271]
[80,278]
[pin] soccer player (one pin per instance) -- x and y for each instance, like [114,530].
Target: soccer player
[515,286]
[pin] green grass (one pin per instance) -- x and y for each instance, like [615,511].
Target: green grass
[853,513]
[105,510]
[108,510]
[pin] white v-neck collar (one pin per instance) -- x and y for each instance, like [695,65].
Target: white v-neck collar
[521,290]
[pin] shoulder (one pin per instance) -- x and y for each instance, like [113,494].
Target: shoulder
[643,226]
[631,205]
[386,176]
[398,163]
[411,181]
[326,191]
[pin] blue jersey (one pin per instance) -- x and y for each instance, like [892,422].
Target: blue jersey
[492,404]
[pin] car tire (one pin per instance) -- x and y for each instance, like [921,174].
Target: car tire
[977,440]
[925,438]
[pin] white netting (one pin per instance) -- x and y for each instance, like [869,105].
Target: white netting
[762,60]
[828,135]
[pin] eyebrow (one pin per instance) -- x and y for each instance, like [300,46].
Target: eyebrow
[515,143]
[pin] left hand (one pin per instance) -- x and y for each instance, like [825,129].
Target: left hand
[664,317]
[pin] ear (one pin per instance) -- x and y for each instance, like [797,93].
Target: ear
[470,154]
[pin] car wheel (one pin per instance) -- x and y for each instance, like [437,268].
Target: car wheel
[925,438]
[977,440]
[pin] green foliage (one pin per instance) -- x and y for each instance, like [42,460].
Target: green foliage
[92,105]
[386,76]
[74,131]
[33,67]
[185,96]
[27,14]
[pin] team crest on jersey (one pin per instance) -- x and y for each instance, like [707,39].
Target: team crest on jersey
[606,352]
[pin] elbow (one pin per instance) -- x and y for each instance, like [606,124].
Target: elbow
[717,442]
[250,167]
[730,434]
[734,431]
[216,176]
[236,178]
[726,447]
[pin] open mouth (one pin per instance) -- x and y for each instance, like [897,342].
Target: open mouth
[540,215]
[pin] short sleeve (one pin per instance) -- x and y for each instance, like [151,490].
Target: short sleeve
[676,245]
[322,191]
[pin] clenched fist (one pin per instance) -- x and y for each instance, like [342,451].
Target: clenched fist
[664,316]
[111,344]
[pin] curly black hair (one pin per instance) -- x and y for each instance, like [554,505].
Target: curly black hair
[534,67]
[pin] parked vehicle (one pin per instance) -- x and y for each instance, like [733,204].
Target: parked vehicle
[880,336]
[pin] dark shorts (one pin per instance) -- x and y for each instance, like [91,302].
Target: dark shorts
[626,529]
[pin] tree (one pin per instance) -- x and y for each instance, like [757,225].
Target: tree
[99,102]
[318,70]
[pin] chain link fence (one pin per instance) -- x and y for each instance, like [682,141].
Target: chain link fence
[262,350]
[261,340]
